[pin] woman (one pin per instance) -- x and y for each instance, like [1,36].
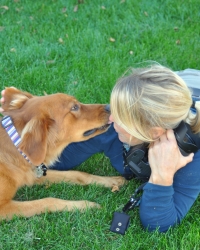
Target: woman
[145,107]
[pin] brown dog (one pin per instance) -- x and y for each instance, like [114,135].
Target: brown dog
[46,125]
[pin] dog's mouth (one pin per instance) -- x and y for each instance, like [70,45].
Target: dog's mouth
[92,131]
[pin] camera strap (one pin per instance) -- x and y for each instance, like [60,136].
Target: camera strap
[134,201]
[121,220]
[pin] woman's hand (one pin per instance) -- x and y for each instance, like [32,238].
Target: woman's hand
[165,159]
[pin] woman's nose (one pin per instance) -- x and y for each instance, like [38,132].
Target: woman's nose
[111,118]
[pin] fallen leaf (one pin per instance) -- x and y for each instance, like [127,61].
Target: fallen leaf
[178,42]
[18,9]
[75,8]
[115,188]
[50,62]
[60,40]
[145,13]
[103,7]
[4,7]
[112,40]
[64,10]
[13,50]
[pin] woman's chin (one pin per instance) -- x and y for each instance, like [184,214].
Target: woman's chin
[122,139]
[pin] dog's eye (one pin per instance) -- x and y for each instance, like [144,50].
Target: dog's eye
[75,107]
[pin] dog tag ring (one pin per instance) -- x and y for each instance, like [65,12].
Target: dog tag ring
[39,171]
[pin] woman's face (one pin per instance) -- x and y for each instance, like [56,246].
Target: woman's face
[123,135]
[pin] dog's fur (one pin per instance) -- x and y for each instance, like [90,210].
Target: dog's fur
[46,124]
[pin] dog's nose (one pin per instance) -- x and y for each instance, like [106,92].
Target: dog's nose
[107,108]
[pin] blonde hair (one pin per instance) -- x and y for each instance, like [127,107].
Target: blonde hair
[152,97]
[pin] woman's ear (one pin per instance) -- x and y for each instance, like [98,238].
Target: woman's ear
[156,132]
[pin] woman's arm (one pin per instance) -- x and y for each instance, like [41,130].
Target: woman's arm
[165,206]
[172,188]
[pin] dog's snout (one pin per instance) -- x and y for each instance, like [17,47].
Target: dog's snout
[107,108]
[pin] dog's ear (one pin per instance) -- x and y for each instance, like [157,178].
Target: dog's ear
[14,98]
[35,139]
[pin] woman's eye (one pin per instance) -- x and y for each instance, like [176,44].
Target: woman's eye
[75,107]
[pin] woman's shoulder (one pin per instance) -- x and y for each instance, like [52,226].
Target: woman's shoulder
[192,78]
[189,176]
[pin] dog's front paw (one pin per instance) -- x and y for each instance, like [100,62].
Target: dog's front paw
[115,181]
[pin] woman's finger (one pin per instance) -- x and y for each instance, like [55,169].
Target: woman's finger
[187,159]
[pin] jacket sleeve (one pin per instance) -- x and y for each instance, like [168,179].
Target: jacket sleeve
[165,206]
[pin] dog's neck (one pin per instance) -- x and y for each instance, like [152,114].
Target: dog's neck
[9,127]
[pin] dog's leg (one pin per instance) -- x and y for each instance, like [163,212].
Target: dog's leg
[31,208]
[81,178]
[9,207]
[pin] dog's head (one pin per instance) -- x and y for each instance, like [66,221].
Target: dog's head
[47,124]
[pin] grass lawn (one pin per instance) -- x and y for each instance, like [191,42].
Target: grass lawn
[82,49]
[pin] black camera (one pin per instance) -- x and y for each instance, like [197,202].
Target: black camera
[136,158]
